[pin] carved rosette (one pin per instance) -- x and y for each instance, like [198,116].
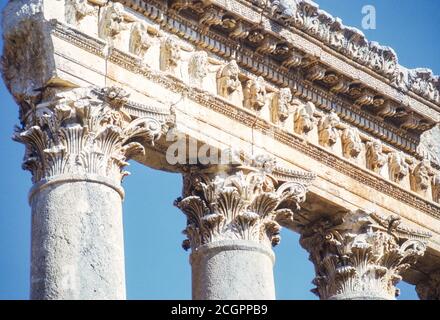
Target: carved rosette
[84,131]
[429,288]
[243,204]
[359,257]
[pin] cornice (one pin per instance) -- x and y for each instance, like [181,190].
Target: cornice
[287,13]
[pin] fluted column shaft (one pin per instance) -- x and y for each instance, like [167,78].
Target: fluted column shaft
[77,143]
[231,228]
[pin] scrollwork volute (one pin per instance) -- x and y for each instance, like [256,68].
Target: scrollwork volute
[327,129]
[243,204]
[229,84]
[255,94]
[84,131]
[358,256]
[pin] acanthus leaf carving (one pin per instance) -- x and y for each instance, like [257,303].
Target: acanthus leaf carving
[242,204]
[358,256]
[316,72]
[293,59]
[211,17]
[84,131]
[239,32]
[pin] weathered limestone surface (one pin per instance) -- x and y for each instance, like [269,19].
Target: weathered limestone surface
[77,241]
[77,142]
[359,256]
[315,95]
[233,269]
[232,225]
[430,143]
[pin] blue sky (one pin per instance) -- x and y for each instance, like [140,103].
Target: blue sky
[156,265]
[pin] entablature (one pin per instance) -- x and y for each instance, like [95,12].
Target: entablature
[331,82]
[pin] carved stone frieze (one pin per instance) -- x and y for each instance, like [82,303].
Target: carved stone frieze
[224,46]
[376,159]
[398,167]
[84,131]
[76,10]
[112,22]
[229,84]
[255,94]
[283,105]
[304,113]
[351,142]
[304,119]
[421,176]
[198,68]
[327,129]
[140,40]
[170,55]
[358,256]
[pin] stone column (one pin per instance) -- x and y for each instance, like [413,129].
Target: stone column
[429,288]
[231,229]
[77,142]
[359,255]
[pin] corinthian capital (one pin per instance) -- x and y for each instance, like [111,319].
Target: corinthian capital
[83,131]
[241,203]
[361,256]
